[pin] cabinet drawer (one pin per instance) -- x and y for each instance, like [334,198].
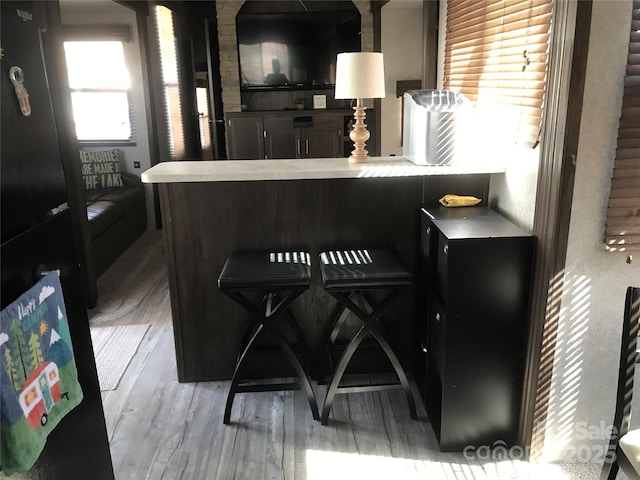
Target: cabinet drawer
[436,332]
[277,122]
[326,121]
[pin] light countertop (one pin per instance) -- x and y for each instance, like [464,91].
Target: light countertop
[302,169]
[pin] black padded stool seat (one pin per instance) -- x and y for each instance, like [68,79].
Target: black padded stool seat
[281,277]
[347,275]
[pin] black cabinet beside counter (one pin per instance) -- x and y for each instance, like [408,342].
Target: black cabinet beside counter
[293,134]
[475,269]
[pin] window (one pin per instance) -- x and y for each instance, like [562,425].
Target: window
[100,91]
[496,55]
[623,216]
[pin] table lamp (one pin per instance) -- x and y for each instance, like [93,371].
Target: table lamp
[359,75]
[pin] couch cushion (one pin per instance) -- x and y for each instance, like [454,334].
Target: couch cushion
[107,206]
[101,215]
[128,197]
[94,195]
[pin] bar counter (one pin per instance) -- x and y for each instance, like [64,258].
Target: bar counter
[303,169]
[210,209]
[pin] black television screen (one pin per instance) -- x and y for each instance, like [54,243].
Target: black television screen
[292,50]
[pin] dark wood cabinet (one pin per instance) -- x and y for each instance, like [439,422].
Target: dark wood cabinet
[320,143]
[475,269]
[302,136]
[289,134]
[245,137]
[280,138]
[319,136]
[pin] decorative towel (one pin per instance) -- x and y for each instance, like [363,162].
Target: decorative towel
[38,377]
[451,200]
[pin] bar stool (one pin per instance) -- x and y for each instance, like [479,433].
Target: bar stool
[348,275]
[281,277]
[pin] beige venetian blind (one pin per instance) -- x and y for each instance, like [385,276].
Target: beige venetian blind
[623,215]
[496,55]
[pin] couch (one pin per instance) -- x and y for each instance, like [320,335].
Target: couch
[117,217]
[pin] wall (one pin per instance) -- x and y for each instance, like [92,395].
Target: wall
[401,46]
[226,14]
[514,193]
[588,342]
[109,12]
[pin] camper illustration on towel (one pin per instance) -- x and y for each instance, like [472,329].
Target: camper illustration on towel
[38,375]
[36,350]
[40,393]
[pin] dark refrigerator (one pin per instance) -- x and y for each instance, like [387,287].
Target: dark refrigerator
[37,226]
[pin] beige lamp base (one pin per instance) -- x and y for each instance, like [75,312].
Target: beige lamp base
[359,134]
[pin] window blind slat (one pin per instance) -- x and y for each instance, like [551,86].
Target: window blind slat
[631,102]
[622,225]
[624,192]
[632,80]
[632,173]
[515,93]
[496,43]
[618,243]
[476,66]
[623,163]
[632,240]
[634,71]
[630,92]
[490,50]
[629,221]
[623,202]
[628,153]
[630,141]
[623,211]
[625,182]
[627,123]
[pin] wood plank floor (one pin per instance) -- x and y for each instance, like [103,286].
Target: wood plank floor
[161,429]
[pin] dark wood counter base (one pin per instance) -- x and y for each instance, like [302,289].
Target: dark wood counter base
[205,222]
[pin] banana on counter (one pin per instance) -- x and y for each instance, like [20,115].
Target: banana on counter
[451,200]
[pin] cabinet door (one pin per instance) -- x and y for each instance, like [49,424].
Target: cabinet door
[281,143]
[280,139]
[321,142]
[245,138]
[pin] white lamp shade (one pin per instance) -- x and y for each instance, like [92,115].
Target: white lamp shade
[360,75]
